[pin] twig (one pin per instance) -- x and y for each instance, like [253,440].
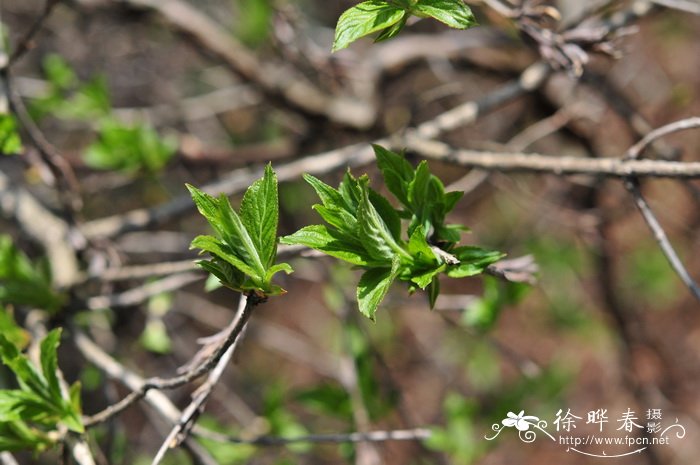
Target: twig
[176,381]
[24,43]
[353,155]
[142,293]
[105,362]
[533,162]
[688,123]
[39,223]
[189,415]
[274,79]
[146,271]
[660,236]
[7,459]
[681,5]
[415,434]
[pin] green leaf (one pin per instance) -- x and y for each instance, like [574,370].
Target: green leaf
[433,290]
[10,143]
[208,207]
[397,172]
[329,196]
[28,377]
[330,242]
[373,287]
[393,30]
[374,232]
[215,247]
[473,260]
[419,248]
[274,269]
[49,363]
[454,13]
[238,239]
[259,214]
[423,279]
[129,148]
[363,19]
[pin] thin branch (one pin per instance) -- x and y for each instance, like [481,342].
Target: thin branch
[415,434]
[176,381]
[142,293]
[661,237]
[681,5]
[558,165]
[636,150]
[41,225]
[199,399]
[25,43]
[353,155]
[274,79]
[105,362]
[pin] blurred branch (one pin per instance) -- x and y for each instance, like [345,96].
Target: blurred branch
[687,6]
[142,293]
[274,79]
[558,165]
[25,43]
[415,434]
[688,123]
[352,155]
[190,413]
[661,237]
[105,362]
[41,225]
[233,332]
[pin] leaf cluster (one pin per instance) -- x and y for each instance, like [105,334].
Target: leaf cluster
[31,415]
[388,17]
[364,229]
[244,250]
[23,282]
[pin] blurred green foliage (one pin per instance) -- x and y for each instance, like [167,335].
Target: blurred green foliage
[129,147]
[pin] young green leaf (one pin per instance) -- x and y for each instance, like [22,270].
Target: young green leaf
[364,19]
[260,212]
[454,13]
[373,287]
[10,142]
[49,363]
[374,232]
[219,249]
[472,261]
[330,242]
[397,172]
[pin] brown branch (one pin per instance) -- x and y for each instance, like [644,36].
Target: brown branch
[234,331]
[538,163]
[273,79]
[25,43]
[661,237]
[353,155]
[636,150]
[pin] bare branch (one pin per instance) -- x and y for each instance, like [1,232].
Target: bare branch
[199,399]
[533,162]
[142,293]
[662,238]
[682,5]
[636,150]
[25,43]
[416,434]
[234,331]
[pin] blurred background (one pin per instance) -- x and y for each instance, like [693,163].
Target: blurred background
[139,97]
